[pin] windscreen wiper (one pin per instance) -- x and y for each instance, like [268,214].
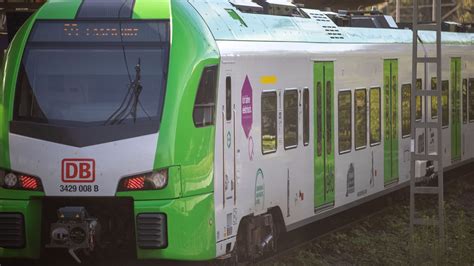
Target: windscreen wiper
[130,102]
[135,96]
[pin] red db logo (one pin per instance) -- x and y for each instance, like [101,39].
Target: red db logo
[78,170]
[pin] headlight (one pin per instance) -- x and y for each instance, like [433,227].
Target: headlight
[149,181]
[10,180]
[13,180]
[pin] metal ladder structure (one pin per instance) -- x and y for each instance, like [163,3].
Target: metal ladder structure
[425,125]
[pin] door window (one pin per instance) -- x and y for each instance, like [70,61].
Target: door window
[445,103]
[228,98]
[419,101]
[471,100]
[319,123]
[464,101]
[434,100]
[328,109]
[306,117]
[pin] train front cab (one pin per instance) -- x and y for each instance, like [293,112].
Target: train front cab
[84,150]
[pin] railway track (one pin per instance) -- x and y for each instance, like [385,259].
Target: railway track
[301,237]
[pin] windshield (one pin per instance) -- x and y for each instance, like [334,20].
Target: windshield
[85,73]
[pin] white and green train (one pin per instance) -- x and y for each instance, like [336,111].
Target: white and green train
[193,130]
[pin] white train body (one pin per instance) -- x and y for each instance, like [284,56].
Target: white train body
[285,178]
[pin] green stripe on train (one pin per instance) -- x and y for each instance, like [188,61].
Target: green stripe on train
[9,74]
[180,142]
[151,9]
[390,93]
[324,166]
[59,9]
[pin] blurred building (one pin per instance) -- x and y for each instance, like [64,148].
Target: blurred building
[339,4]
[13,13]
[460,11]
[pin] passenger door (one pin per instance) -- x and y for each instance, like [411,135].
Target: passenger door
[456,109]
[323,138]
[228,146]
[391,121]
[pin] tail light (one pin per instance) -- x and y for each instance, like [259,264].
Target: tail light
[135,183]
[148,181]
[28,182]
[18,181]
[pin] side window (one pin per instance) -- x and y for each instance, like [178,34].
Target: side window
[228,98]
[360,113]
[306,117]
[406,110]
[269,122]
[205,103]
[375,114]
[434,100]
[464,101]
[419,101]
[345,121]
[445,103]
[471,100]
[290,119]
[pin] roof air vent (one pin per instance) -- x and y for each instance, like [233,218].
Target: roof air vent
[331,29]
[246,6]
[279,8]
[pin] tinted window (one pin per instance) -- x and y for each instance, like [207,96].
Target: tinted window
[344,122]
[419,101]
[269,122]
[464,101]
[319,118]
[360,113]
[228,98]
[406,110]
[205,103]
[471,100]
[306,117]
[375,114]
[291,119]
[328,109]
[445,102]
[104,82]
[434,100]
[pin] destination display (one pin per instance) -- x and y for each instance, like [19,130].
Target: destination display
[100,31]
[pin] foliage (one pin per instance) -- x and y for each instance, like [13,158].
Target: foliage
[463,12]
[384,238]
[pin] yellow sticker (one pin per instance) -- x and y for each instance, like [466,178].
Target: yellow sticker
[268,79]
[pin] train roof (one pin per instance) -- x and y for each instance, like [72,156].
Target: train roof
[227,23]
[68,9]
